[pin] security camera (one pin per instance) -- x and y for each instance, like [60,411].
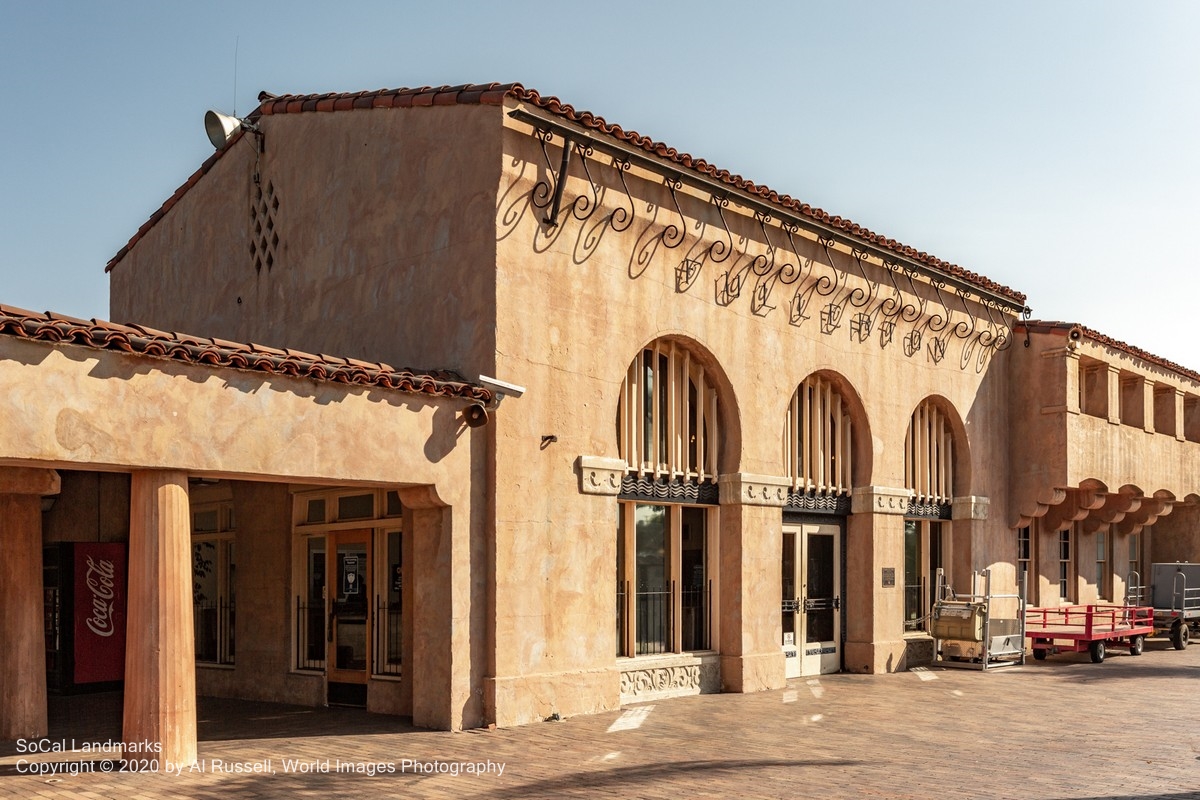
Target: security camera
[500,388]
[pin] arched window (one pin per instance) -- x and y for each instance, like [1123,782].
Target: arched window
[817,439]
[667,427]
[929,475]
[667,418]
[929,456]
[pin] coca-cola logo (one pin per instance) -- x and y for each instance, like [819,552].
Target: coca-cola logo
[100,582]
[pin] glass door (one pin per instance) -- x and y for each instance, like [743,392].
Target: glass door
[791,621]
[811,607]
[821,598]
[348,638]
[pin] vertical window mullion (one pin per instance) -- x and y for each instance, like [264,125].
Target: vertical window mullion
[827,479]
[675,558]
[835,472]
[686,417]
[806,425]
[701,427]
[716,436]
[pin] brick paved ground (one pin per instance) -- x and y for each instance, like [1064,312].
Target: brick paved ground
[1065,728]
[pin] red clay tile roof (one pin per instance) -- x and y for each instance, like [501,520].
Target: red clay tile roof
[140,340]
[496,93]
[1063,328]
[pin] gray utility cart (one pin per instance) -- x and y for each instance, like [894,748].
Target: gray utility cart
[980,630]
[1175,595]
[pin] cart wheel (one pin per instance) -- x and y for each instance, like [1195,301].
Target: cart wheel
[1097,651]
[1039,655]
[1179,635]
[1136,645]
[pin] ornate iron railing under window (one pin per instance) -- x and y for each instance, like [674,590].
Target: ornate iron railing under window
[310,636]
[214,631]
[387,638]
[655,623]
[697,610]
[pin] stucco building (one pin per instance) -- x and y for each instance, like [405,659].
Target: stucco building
[750,432]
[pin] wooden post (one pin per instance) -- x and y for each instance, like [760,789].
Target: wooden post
[23,654]
[160,661]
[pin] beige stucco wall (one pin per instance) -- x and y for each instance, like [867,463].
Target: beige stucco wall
[575,306]
[1055,445]
[386,241]
[1059,453]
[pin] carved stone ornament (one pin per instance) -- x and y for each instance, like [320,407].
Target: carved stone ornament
[970,507]
[658,681]
[879,500]
[754,490]
[600,475]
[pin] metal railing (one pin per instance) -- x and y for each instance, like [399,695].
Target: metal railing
[697,610]
[214,624]
[1183,598]
[1135,591]
[387,636]
[652,626]
[310,636]
[654,621]
[915,598]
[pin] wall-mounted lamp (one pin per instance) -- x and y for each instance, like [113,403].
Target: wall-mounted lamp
[475,415]
[221,127]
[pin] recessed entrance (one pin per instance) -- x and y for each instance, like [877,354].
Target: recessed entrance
[811,609]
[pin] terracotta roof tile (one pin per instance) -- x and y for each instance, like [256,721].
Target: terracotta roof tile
[497,93]
[144,341]
[1064,328]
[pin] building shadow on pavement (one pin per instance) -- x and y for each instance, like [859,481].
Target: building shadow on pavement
[96,718]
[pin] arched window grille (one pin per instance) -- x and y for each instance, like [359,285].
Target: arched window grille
[668,417]
[929,456]
[817,439]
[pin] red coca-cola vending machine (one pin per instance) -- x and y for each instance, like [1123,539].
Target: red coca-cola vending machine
[85,589]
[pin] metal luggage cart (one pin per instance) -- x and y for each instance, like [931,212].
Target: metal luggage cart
[1175,595]
[1092,628]
[971,632]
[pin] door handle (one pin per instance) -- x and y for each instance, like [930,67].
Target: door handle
[329,627]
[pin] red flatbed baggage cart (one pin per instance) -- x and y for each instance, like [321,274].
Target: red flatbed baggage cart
[1090,628]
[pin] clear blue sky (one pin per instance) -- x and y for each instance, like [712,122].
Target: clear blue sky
[1049,146]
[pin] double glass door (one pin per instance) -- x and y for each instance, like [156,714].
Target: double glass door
[811,608]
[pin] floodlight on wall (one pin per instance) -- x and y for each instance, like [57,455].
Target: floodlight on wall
[221,127]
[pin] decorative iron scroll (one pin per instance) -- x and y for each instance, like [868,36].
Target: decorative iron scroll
[928,510]
[648,490]
[874,297]
[838,504]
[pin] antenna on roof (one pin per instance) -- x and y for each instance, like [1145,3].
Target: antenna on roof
[236,41]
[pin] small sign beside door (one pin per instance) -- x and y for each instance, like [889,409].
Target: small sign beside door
[350,581]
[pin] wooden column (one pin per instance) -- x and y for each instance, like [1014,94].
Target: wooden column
[22,643]
[160,662]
